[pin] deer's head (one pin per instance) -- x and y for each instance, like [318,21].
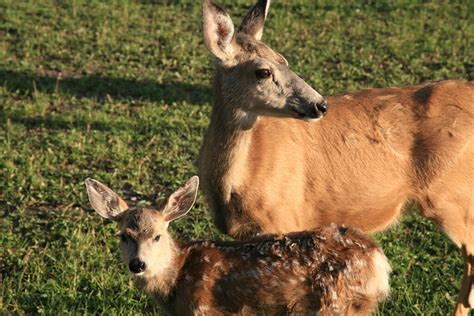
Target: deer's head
[146,245]
[254,78]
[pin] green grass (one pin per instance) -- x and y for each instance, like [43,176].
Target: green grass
[119,91]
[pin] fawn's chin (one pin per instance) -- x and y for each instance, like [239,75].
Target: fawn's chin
[139,274]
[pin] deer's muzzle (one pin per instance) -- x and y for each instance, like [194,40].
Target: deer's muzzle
[136,266]
[311,111]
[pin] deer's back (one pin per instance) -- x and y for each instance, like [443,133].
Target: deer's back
[322,270]
[431,124]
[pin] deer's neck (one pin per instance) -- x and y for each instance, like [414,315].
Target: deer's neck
[161,285]
[232,130]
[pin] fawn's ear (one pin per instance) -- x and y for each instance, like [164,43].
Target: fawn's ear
[182,200]
[218,31]
[105,201]
[253,22]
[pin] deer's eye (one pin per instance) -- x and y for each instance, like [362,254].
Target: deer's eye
[124,237]
[263,73]
[157,238]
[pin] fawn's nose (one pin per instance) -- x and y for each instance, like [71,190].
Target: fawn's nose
[136,265]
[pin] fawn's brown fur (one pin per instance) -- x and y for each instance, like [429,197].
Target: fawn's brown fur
[330,271]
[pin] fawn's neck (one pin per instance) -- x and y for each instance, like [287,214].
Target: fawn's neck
[161,285]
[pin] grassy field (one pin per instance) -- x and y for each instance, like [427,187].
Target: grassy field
[119,91]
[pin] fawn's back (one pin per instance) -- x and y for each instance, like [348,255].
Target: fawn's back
[330,270]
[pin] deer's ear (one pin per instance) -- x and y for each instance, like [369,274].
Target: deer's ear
[105,201]
[253,22]
[182,200]
[218,31]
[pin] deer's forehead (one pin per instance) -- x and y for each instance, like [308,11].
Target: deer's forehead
[142,221]
[250,49]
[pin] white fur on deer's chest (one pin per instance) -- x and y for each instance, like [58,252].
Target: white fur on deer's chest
[236,174]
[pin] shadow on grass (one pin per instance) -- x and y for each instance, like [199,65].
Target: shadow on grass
[58,122]
[96,86]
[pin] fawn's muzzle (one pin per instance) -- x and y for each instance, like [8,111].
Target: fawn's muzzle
[136,265]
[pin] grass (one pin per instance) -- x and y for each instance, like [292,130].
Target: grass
[119,91]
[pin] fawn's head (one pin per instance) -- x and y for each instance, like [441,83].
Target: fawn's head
[146,245]
[254,78]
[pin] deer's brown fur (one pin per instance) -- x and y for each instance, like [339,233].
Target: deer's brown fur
[375,151]
[323,271]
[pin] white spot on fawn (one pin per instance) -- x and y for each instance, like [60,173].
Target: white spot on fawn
[378,283]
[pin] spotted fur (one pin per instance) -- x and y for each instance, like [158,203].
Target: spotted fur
[331,270]
[325,271]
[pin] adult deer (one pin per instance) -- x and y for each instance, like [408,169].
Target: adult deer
[358,166]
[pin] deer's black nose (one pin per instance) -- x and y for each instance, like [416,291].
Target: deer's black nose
[136,265]
[323,107]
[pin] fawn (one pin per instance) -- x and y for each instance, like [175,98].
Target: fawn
[331,270]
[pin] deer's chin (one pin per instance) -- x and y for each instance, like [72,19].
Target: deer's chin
[311,119]
[307,116]
[137,275]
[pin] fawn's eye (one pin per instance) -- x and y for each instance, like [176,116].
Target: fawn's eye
[263,73]
[157,238]
[124,237]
